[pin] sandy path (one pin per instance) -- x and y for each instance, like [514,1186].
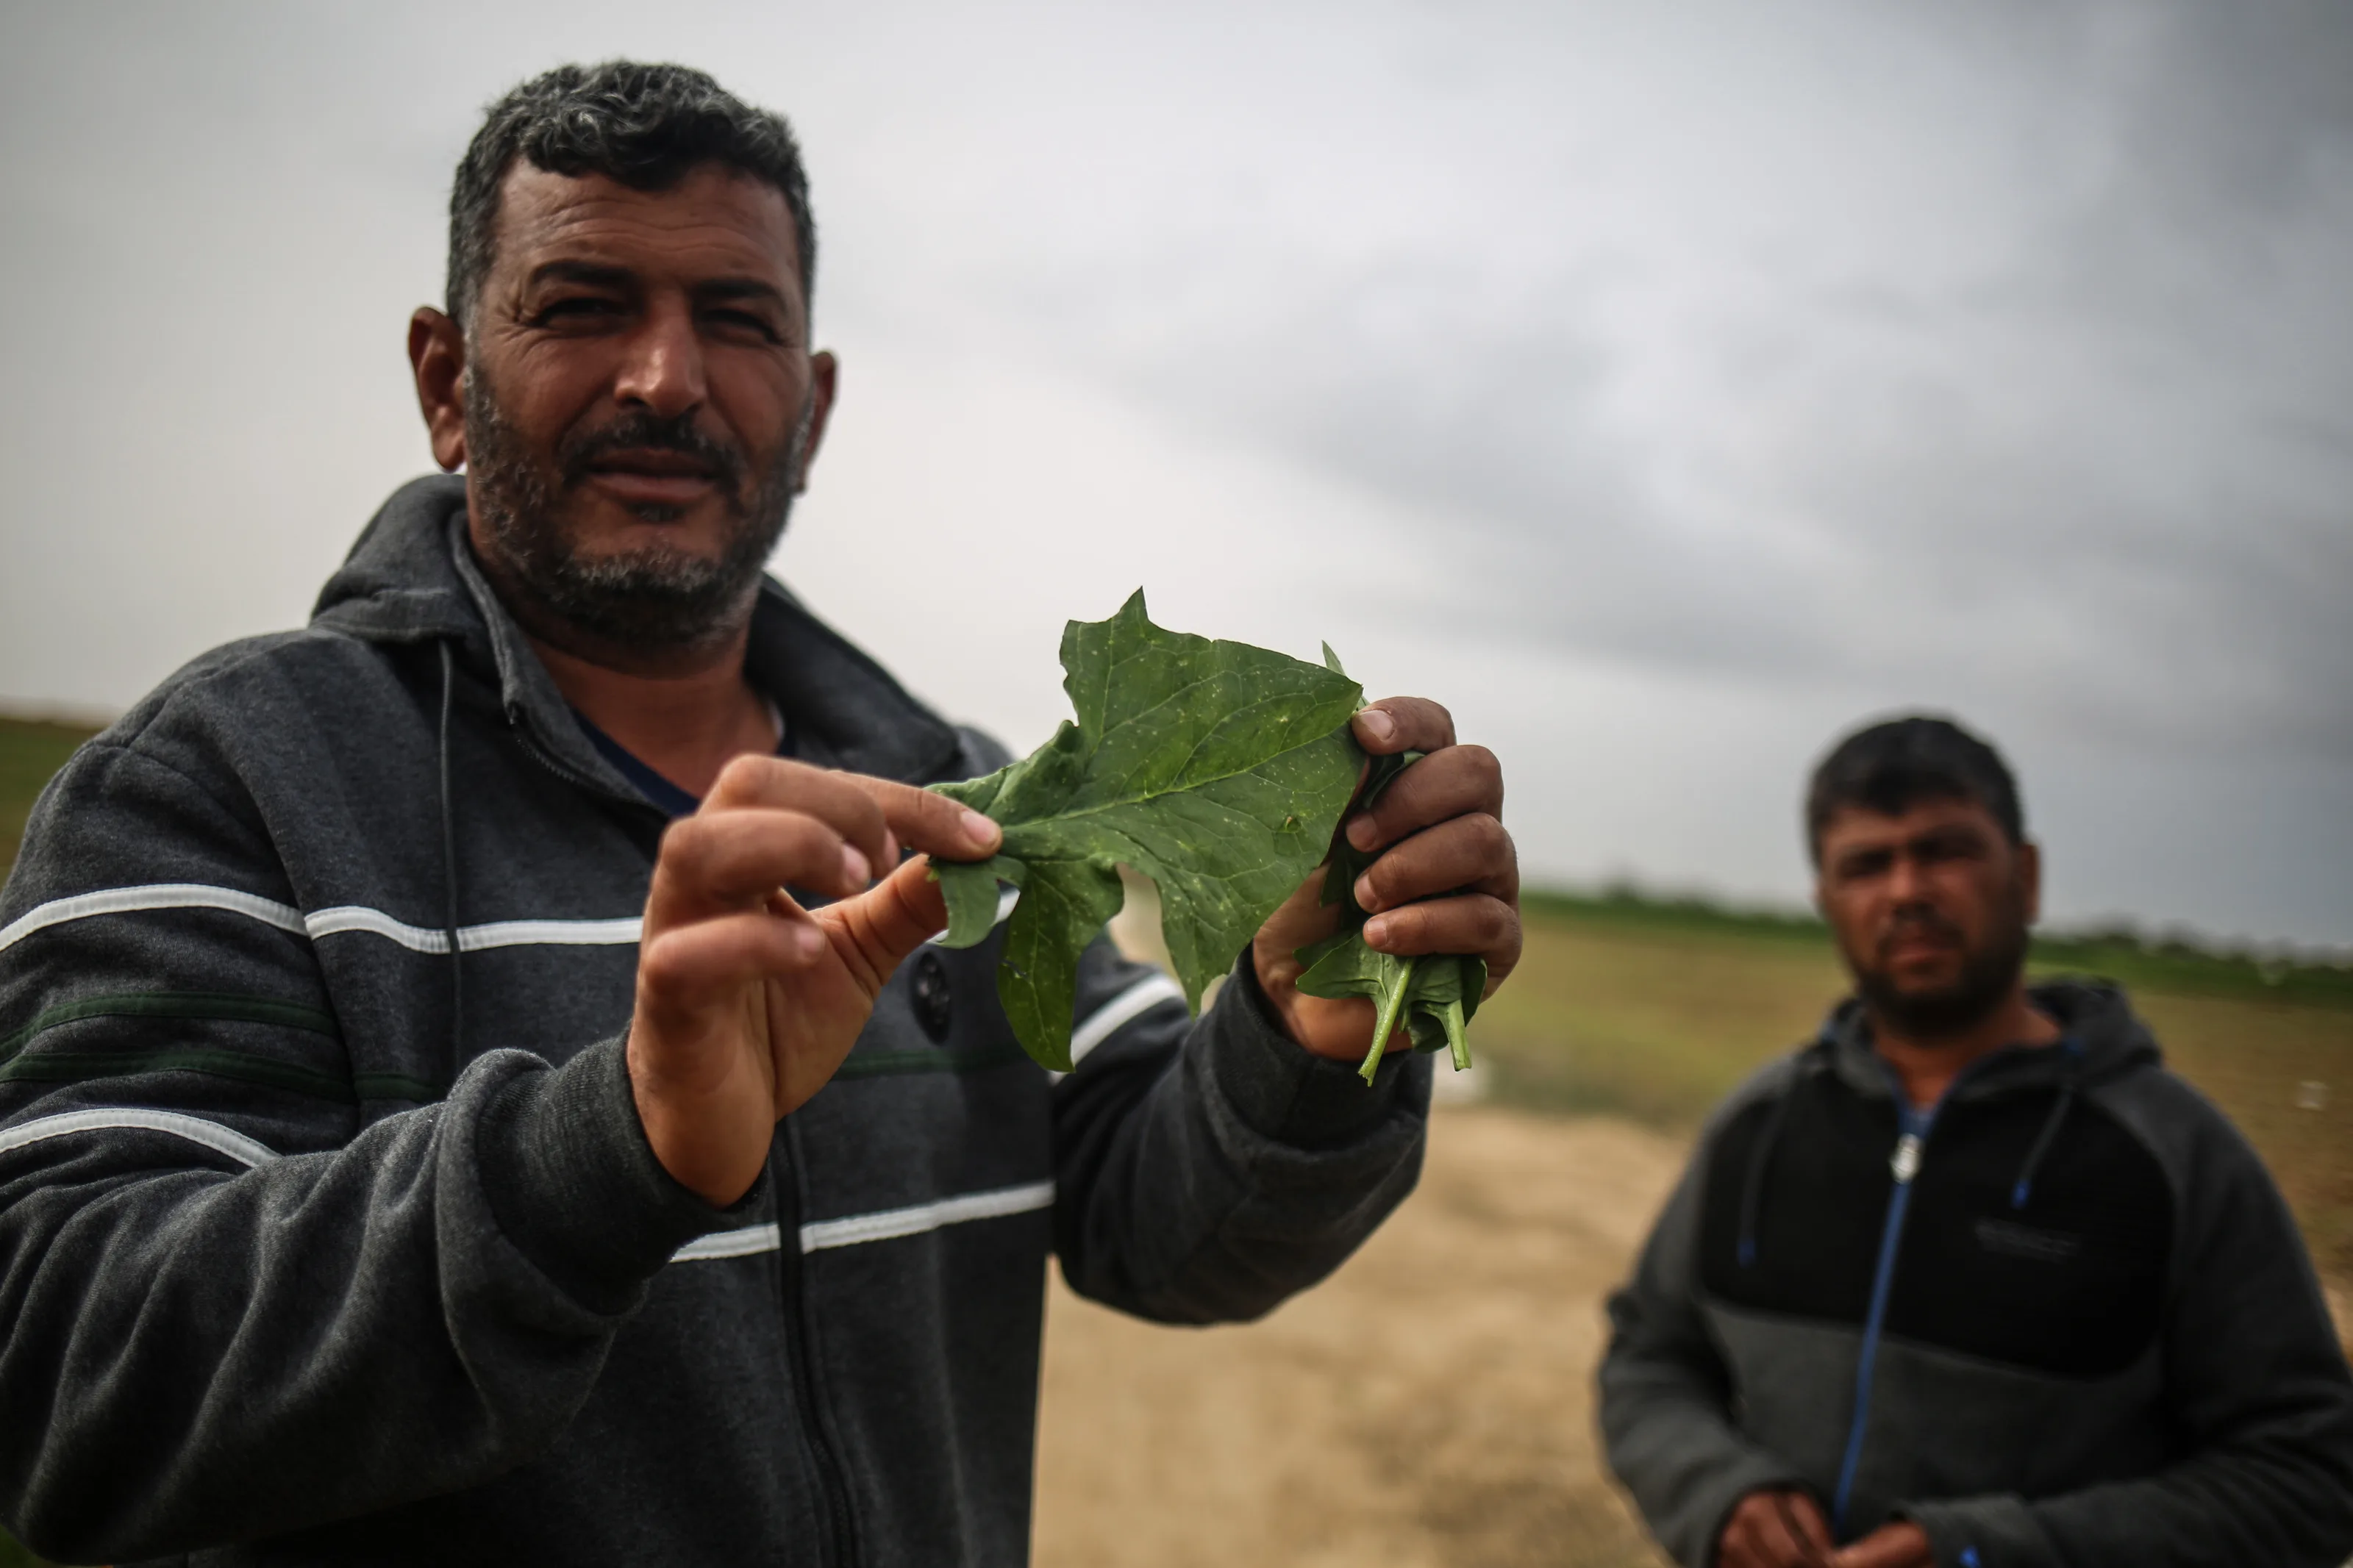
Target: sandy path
[1430,1405]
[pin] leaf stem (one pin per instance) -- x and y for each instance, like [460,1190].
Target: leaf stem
[1457,1039]
[1392,1008]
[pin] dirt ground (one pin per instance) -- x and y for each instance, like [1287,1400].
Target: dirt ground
[1430,1405]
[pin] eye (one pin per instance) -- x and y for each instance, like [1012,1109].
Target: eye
[576,308]
[1948,847]
[1870,863]
[746,321]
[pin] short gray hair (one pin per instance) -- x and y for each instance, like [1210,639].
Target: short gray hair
[644,125]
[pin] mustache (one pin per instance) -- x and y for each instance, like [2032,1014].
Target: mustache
[639,430]
[1917,920]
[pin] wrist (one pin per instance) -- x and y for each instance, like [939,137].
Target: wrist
[690,1130]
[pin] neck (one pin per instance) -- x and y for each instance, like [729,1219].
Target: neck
[1928,1063]
[686,712]
[686,722]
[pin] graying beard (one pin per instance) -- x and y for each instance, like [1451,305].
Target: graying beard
[655,599]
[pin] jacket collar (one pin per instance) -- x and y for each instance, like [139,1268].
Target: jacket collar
[2104,1038]
[412,577]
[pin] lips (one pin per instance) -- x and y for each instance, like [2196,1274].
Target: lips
[1916,943]
[643,475]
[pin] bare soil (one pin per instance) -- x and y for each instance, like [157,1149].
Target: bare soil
[1428,1404]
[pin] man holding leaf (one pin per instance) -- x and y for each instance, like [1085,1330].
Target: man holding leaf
[412,1146]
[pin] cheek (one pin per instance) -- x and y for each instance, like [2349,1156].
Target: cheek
[1855,917]
[761,402]
[552,385]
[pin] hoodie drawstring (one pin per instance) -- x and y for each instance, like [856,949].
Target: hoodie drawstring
[2023,1188]
[449,869]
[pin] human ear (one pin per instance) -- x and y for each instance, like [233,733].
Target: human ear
[825,380]
[437,358]
[2029,881]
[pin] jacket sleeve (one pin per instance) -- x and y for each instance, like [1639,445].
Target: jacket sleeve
[236,1304]
[1205,1170]
[1666,1394]
[2256,1385]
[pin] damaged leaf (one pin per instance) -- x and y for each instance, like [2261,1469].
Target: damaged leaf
[1216,769]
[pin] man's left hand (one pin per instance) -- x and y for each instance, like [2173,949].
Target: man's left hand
[1902,1544]
[1447,879]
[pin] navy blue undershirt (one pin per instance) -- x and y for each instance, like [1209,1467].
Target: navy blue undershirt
[667,797]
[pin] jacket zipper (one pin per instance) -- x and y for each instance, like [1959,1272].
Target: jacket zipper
[1903,1165]
[841,1534]
[840,1543]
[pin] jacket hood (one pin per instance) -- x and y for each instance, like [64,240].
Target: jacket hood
[2104,1039]
[411,577]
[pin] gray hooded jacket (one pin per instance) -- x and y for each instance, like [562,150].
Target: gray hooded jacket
[328,1233]
[2063,1318]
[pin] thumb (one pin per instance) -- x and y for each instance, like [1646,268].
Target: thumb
[878,930]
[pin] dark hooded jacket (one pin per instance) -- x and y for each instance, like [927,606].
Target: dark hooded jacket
[328,1233]
[2063,1318]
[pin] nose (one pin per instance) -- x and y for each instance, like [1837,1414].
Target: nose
[662,369]
[1905,884]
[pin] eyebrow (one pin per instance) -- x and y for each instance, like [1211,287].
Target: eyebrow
[588,272]
[597,275]
[741,289]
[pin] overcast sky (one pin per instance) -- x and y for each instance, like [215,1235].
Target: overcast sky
[1665,388]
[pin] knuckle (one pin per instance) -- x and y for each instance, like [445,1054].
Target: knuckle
[1487,836]
[740,776]
[685,841]
[1495,921]
[658,968]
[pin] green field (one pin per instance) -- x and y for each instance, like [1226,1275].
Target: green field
[30,751]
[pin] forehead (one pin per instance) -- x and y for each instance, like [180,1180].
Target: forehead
[715,222]
[1853,828]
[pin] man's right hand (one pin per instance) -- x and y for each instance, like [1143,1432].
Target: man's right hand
[746,1003]
[1775,1530]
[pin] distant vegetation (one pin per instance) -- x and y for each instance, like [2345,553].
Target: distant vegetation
[31,750]
[2119,954]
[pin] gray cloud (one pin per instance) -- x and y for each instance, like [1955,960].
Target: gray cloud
[2085,429]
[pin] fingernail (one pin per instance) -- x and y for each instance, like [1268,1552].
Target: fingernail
[1362,833]
[1366,898]
[1377,933]
[807,940]
[979,829]
[855,868]
[1377,724]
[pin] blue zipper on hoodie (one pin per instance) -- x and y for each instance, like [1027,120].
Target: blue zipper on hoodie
[1911,1137]
[1911,1142]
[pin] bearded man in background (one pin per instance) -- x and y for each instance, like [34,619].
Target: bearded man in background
[1971,1279]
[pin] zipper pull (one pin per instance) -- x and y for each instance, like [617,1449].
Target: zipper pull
[1906,1163]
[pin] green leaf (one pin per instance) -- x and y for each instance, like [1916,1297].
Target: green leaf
[1216,769]
[970,889]
[1432,995]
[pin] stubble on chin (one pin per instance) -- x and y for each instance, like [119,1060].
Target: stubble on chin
[655,600]
[1987,973]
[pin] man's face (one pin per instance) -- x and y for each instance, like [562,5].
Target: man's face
[1930,908]
[639,402]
